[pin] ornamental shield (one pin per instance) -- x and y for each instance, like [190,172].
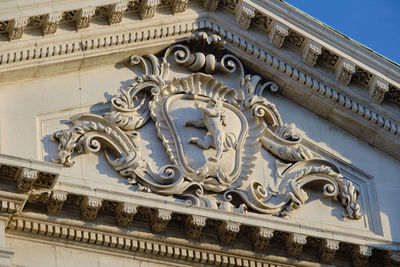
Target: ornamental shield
[201,130]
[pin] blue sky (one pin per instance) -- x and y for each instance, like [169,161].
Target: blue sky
[373,23]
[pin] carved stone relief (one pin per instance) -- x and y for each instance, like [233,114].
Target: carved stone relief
[212,135]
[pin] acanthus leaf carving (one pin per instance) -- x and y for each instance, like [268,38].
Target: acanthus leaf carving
[179,6]
[125,213]
[379,88]
[227,231]
[210,5]
[84,17]
[345,70]
[26,179]
[16,28]
[261,237]
[51,22]
[327,250]
[361,254]
[56,201]
[194,224]
[116,12]
[148,8]
[295,243]
[278,33]
[244,15]
[90,207]
[311,52]
[211,163]
[159,220]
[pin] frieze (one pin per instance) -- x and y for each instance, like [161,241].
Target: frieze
[211,134]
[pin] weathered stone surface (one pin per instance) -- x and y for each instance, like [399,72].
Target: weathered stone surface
[131,159]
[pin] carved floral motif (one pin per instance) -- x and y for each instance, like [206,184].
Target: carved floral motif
[16,28]
[378,89]
[345,70]
[278,34]
[125,213]
[194,225]
[244,15]
[211,164]
[179,6]
[26,179]
[56,201]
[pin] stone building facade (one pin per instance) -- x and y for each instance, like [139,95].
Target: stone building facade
[193,133]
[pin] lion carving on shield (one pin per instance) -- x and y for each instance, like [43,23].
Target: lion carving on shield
[212,120]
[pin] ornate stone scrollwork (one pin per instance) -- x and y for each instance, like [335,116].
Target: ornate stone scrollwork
[211,134]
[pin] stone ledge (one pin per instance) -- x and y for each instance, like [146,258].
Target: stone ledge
[102,236]
[149,204]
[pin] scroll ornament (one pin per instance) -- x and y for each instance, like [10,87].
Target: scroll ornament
[211,134]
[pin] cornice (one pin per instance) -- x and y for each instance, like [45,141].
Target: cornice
[377,124]
[110,200]
[103,239]
[102,232]
[298,85]
[47,15]
[329,38]
[18,178]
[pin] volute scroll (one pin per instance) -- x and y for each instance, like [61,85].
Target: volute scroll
[211,133]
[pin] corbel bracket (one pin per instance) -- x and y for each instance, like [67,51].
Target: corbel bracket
[90,207]
[345,70]
[159,220]
[56,201]
[227,231]
[84,17]
[295,243]
[278,33]
[311,52]
[194,225]
[50,23]
[116,12]
[261,237]
[125,213]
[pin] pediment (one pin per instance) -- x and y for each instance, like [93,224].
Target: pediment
[192,129]
[200,134]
